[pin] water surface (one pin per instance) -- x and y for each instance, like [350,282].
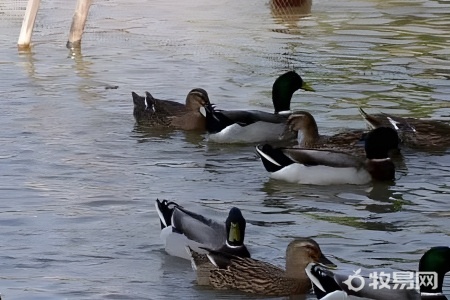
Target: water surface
[79,179]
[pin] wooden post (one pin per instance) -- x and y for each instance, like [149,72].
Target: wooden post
[28,24]
[78,22]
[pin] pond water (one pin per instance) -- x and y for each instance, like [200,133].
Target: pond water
[78,179]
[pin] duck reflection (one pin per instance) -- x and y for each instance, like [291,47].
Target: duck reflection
[289,12]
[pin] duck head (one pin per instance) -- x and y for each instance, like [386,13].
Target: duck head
[302,251]
[197,99]
[380,141]
[378,144]
[304,122]
[235,227]
[284,87]
[437,259]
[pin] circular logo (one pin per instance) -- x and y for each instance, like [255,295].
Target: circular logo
[355,277]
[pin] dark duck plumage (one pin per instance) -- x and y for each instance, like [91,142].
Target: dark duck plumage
[152,112]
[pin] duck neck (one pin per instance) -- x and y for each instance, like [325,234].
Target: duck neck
[382,169]
[295,268]
[310,136]
[281,98]
[432,269]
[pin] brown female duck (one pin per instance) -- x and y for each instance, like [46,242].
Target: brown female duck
[225,271]
[149,111]
[303,124]
[414,133]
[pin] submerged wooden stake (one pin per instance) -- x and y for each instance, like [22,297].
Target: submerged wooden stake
[28,24]
[78,22]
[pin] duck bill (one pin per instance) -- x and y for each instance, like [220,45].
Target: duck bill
[326,263]
[235,234]
[203,111]
[207,109]
[307,87]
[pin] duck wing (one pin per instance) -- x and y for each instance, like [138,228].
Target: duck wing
[247,117]
[250,275]
[165,107]
[316,157]
[275,159]
[198,228]
[430,134]
[217,119]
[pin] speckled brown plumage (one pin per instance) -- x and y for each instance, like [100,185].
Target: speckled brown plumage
[266,279]
[304,123]
[259,277]
[432,135]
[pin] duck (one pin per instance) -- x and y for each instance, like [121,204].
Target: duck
[152,112]
[254,126]
[225,271]
[329,285]
[414,133]
[323,167]
[181,227]
[304,126]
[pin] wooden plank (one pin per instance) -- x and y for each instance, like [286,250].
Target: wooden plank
[78,23]
[28,23]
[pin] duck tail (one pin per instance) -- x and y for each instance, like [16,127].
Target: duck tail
[216,121]
[273,159]
[197,259]
[165,212]
[218,258]
[400,124]
[150,101]
[371,121]
[322,280]
[192,256]
[137,100]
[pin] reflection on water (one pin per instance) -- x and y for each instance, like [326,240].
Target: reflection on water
[27,61]
[79,178]
[289,12]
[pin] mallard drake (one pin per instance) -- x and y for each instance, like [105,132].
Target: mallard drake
[225,271]
[303,125]
[252,126]
[181,228]
[311,166]
[149,111]
[329,285]
[414,133]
